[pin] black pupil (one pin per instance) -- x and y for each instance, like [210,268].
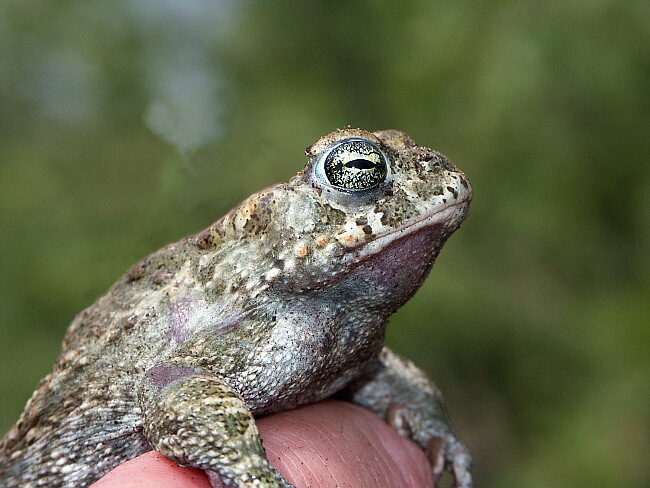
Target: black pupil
[360,164]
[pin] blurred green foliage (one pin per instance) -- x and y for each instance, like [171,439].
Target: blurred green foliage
[127,124]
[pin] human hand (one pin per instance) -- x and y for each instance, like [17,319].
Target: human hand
[332,443]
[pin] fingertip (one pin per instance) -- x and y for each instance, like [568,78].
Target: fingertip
[335,443]
[152,470]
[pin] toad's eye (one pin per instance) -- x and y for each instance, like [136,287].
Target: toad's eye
[354,165]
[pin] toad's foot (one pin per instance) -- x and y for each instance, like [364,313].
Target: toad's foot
[451,455]
[400,393]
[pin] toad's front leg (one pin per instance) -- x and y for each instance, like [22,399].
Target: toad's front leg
[400,393]
[196,420]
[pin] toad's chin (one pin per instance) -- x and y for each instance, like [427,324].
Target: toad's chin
[396,263]
[402,265]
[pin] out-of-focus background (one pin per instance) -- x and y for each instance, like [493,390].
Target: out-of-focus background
[128,124]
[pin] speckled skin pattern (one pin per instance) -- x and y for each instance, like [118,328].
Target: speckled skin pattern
[281,302]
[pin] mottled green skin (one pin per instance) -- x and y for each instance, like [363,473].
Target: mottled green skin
[281,302]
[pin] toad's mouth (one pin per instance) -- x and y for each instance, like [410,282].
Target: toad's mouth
[445,221]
